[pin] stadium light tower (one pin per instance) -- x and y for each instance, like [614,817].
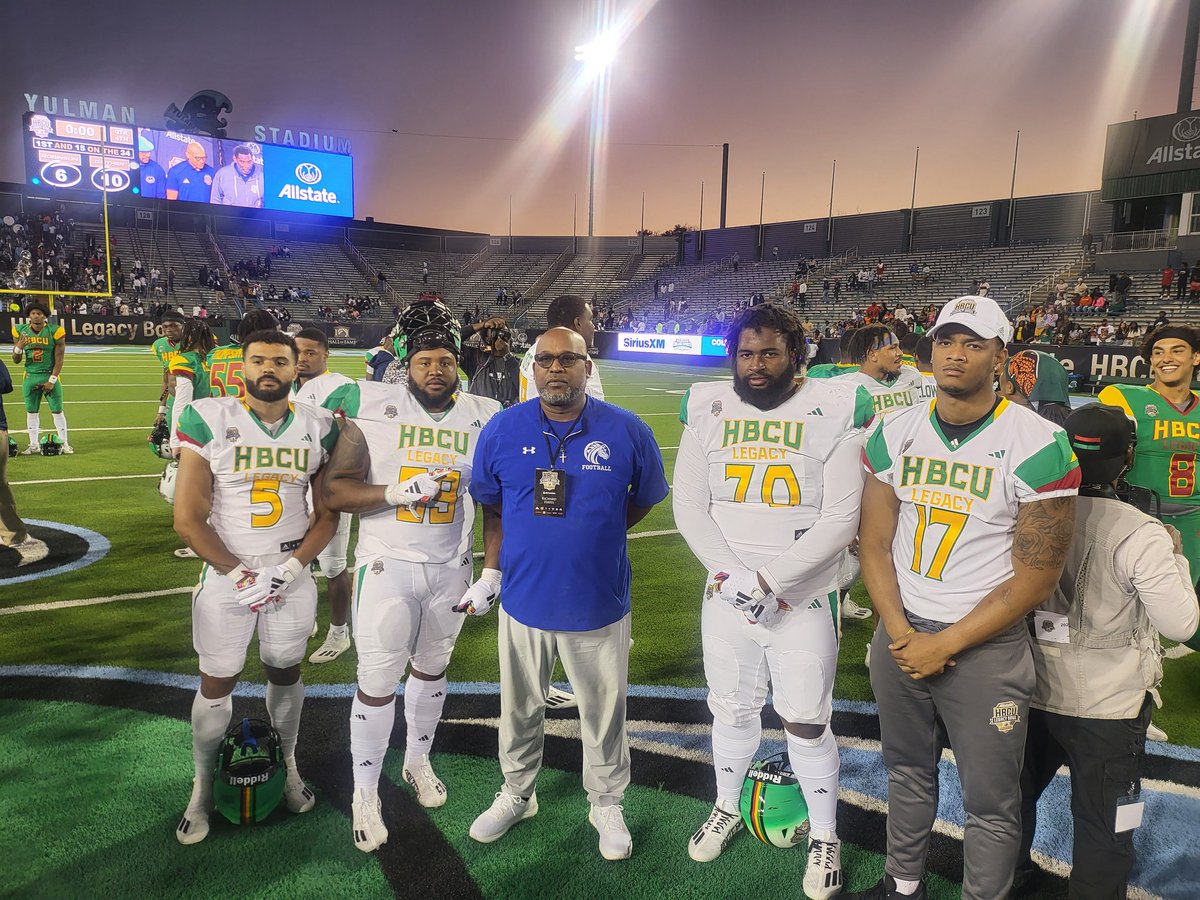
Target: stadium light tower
[597,57]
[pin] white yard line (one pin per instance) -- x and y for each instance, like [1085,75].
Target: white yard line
[93,478]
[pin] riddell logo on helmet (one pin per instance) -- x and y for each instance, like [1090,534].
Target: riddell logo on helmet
[249,780]
[773,777]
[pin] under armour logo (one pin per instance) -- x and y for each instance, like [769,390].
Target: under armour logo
[525,450]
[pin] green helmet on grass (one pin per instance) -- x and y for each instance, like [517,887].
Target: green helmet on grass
[250,775]
[773,806]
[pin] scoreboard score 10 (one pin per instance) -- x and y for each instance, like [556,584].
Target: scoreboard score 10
[69,153]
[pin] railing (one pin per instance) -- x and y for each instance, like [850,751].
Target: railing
[1025,297]
[546,279]
[1139,240]
[472,265]
[369,271]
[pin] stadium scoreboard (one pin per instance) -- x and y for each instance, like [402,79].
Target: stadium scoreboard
[64,153]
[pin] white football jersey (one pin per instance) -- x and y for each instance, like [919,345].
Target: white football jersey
[260,480]
[890,397]
[765,467]
[959,500]
[928,388]
[594,388]
[404,439]
[316,391]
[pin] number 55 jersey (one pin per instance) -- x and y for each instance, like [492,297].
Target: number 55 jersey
[260,473]
[959,499]
[404,439]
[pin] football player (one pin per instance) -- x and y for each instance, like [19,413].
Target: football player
[314,383]
[1166,413]
[163,349]
[244,474]
[404,466]
[843,366]
[924,356]
[188,368]
[224,363]
[42,346]
[766,494]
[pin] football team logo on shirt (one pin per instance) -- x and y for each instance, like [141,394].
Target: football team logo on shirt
[595,453]
[1151,409]
[232,435]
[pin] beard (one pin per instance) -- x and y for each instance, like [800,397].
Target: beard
[564,398]
[431,400]
[268,395]
[774,392]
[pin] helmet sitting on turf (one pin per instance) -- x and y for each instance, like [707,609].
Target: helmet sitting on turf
[773,806]
[250,776]
[160,440]
[50,445]
[12,447]
[166,482]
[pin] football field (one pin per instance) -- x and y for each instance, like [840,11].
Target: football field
[97,673]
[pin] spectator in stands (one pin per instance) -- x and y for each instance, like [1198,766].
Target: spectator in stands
[870,282]
[1075,335]
[1123,286]
[171,280]
[1081,289]
[1084,303]
[984,287]
[424,273]
[1060,289]
[1181,280]
[1099,304]
[736,259]
[203,313]
[1024,332]
[1160,320]
[775,254]
[1194,285]
[802,292]
[1167,283]
[837,288]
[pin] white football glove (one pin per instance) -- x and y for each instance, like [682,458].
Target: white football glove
[269,584]
[480,596]
[418,490]
[741,590]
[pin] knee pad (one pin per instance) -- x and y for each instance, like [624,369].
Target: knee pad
[730,711]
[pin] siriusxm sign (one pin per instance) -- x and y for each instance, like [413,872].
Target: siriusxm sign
[672,344]
[308,181]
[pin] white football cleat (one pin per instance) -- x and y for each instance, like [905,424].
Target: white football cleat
[31,450]
[615,840]
[1154,733]
[67,449]
[31,550]
[714,835]
[851,610]
[560,699]
[193,827]
[430,791]
[336,643]
[823,877]
[369,831]
[297,795]
[505,812]
[187,553]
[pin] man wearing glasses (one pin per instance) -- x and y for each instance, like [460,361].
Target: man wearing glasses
[567,476]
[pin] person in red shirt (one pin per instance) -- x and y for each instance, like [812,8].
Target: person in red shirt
[1168,281]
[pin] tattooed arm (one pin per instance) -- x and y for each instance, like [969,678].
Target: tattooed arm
[344,486]
[1043,535]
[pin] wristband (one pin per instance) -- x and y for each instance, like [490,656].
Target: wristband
[162,409]
[492,577]
[53,379]
[293,567]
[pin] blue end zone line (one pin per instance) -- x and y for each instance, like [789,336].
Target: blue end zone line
[467,688]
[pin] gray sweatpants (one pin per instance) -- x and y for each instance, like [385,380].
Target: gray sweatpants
[12,529]
[597,664]
[984,703]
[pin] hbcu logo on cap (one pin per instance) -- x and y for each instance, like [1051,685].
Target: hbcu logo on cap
[965,306]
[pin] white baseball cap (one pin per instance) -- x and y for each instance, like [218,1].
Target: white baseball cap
[982,315]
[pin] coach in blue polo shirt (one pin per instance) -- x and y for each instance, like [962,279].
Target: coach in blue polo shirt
[192,178]
[567,475]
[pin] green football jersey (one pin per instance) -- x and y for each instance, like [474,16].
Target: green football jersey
[163,350]
[189,365]
[224,365]
[1168,439]
[39,345]
[831,370]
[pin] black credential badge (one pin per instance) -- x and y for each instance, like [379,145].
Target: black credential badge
[550,493]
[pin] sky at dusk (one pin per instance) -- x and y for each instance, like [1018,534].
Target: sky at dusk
[490,103]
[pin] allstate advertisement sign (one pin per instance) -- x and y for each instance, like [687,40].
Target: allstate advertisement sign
[673,344]
[308,182]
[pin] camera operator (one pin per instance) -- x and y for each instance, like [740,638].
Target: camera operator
[495,372]
[1098,661]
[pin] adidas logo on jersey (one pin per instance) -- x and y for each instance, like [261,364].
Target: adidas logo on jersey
[816,604]
[476,424]
[997,454]
[816,412]
[423,737]
[366,762]
[306,439]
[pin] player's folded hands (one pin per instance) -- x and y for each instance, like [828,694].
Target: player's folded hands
[480,596]
[740,588]
[419,490]
[267,585]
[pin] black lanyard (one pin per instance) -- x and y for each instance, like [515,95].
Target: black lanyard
[562,441]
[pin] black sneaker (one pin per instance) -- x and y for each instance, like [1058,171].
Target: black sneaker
[886,890]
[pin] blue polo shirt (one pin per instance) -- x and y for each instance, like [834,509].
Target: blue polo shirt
[192,185]
[570,573]
[153,180]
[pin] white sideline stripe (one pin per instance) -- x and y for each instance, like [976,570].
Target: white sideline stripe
[94,478]
[93,601]
[146,595]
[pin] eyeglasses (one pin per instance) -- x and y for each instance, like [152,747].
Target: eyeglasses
[566,360]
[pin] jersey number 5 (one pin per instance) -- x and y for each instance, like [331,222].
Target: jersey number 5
[440,512]
[266,491]
[929,516]
[776,478]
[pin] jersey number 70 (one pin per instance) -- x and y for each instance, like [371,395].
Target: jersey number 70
[773,477]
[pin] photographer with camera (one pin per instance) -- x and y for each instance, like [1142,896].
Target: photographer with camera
[1098,660]
[495,372]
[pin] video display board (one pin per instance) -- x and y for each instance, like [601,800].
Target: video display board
[674,344]
[64,153]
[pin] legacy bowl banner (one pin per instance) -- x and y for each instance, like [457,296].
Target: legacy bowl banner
[72,154]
